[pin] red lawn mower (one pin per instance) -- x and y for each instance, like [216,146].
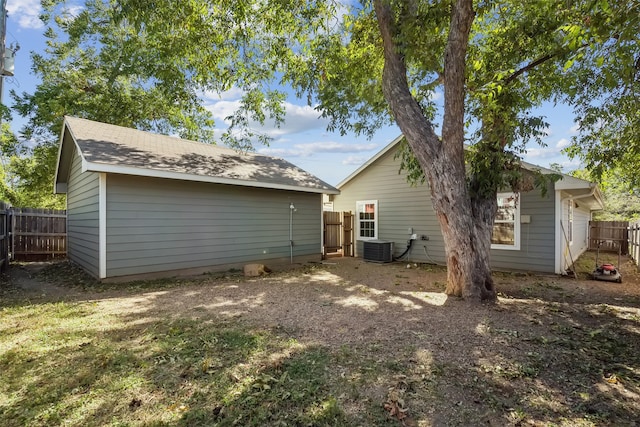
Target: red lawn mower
[606,272]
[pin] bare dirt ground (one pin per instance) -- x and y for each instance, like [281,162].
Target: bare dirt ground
[552,351]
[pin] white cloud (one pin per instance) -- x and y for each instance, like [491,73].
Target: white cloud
[223,109]
[299,118]
[354,160]
[309,149]
[26,13]
[563,143]
[232,94]
[436,96]
[575,129]
[540,153]
[70,12]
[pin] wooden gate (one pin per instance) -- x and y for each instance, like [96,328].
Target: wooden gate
[609,236]
[38,234]
[338,234]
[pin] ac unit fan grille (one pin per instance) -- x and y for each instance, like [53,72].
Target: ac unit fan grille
[378,251]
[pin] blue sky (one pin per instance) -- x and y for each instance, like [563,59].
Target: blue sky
[303,139]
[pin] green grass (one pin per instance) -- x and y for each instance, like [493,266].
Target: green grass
[74,364]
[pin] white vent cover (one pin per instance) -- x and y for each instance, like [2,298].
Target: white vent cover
[378,251]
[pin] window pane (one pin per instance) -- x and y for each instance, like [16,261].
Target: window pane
[506,209]
[506,213]
[503,234]
[367,219]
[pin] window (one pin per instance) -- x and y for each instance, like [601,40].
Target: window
[506,226]
[367,212]
[570,221]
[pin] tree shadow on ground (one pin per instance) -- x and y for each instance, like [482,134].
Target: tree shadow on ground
[345,343]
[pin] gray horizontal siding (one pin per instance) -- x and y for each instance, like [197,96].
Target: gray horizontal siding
[402,206]
[82,217]
[537,239]
[156,225]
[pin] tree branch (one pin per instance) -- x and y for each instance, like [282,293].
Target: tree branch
[535,63]
[528,67]
[455,76]
[406,110]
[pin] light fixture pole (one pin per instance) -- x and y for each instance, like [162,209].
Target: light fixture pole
[291,209]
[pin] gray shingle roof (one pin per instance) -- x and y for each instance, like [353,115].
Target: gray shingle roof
[116,149]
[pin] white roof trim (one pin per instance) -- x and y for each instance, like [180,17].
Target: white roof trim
[567,182]
[130,170]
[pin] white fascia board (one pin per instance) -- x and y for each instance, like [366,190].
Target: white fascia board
[566,182]
[129,170]
[60,150]
[571,183]
[84,165]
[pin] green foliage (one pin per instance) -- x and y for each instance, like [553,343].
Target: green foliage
[102,68]
[25,173]
[105,70]
[603,83]
[409,164]
[136,53]
[621,200]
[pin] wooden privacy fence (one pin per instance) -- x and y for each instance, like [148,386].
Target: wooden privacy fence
[337,234]
[609,236]
[4,236]
[37,234]
[634,242]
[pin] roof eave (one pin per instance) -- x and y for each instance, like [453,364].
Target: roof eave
[58,157]
[154,173]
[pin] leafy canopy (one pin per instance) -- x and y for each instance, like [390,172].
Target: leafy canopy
[603,83]
[143,64]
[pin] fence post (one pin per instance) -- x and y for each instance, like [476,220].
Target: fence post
[4,236]
[634,242]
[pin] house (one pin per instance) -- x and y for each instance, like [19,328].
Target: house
[531,232]
[143,205]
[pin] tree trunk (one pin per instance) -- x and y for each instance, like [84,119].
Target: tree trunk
[466,222]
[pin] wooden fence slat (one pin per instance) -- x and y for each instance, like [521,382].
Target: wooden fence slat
[609,236]
[337,231]
[38,234]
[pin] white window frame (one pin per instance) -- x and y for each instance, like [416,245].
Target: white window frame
[359,205]
[516,225]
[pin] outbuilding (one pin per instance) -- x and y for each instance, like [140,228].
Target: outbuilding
[145,205]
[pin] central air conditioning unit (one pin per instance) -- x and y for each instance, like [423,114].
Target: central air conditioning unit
[378,251]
